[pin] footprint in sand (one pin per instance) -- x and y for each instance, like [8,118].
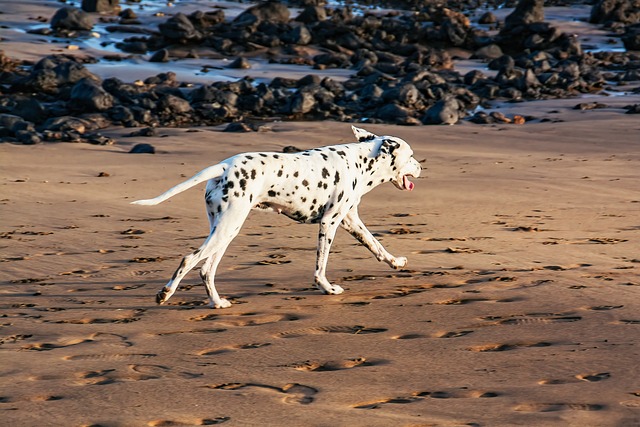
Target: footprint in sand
[194,331]
[135,372]
[204,422]
[113,340]
[111,357]
[53,346]
[353,330]
[408,337]
[452,334]
[228,349]
[333,365]
[594,377]
[590,377]
[629,321]
[461,393]
[532,319]
[127,288]
[246,319]
[507,346]
[553,407]
[294,393]
[604,307]
[36,398]
[402,292]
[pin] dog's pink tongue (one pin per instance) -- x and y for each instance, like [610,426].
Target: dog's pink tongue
[408,185]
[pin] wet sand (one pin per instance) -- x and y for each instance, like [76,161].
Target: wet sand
[519,305]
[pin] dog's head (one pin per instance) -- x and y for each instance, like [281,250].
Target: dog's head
[399,154]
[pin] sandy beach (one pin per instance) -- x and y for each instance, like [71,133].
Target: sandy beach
[519,306]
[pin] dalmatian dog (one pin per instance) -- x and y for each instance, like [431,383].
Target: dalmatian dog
[322,186]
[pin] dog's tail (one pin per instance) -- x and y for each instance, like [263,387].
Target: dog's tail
[204,175]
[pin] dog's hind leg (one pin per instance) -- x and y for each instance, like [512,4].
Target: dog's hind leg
[354,225]
[224,228]
[207,273]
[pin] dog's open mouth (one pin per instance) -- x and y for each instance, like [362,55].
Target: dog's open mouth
[406,184]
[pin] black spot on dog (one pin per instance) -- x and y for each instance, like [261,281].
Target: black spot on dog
[243,184]
[271,193]
[324,156]
[297,216]
[253,174]
[237,174]
[336,178]
[341,153]
[305,182]
[236,194]
[340,196]
[250,157]
[263,155]
[250,198]
[231,184]
[275,156]
[369,184]
[325,173]
[304,199]
[280,172]
[366,138]
[332,149]
[320,184]
[295,174]
[355,183]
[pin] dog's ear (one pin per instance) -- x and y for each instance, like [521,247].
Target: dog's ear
[388,146]
[362,135]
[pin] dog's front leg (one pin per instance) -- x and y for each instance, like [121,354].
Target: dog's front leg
[325,238]
[354,225]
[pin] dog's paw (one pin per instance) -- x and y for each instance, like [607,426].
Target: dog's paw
[163,295]
[334,290]
[223,303]
[399,262]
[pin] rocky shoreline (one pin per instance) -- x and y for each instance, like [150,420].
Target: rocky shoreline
[402,63]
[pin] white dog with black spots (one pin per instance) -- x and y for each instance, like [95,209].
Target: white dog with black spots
[321,186]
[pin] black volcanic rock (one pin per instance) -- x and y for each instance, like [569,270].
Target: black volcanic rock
[72,19]
[526,12]
[88,95]
[100,6]
[179,28]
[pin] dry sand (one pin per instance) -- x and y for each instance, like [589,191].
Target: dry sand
[519,305]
